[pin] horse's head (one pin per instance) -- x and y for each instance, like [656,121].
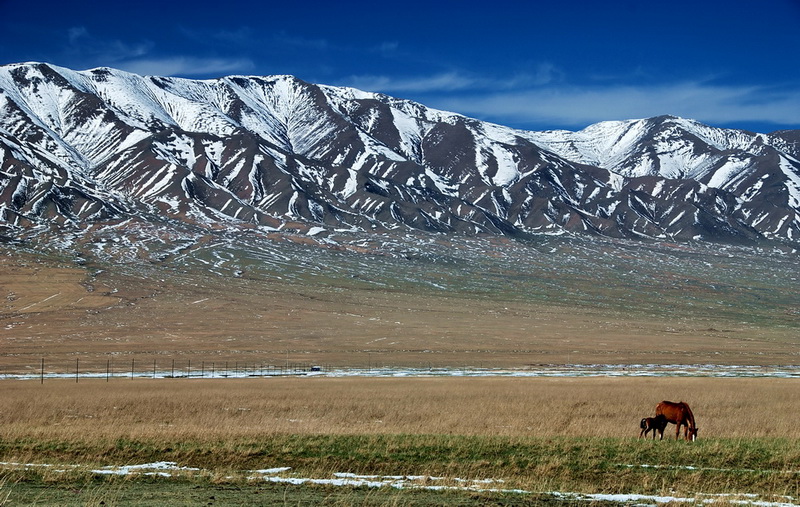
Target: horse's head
[693,434]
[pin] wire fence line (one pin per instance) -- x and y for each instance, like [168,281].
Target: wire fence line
[164,367]
[173,369]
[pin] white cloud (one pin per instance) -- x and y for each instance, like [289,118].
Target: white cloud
[543,74]
[82,44]
[140,58]
[450,81]
[186,66]
[541,96]
[239,36]
[76,33]
[388,47]
[574,105]
[284,38]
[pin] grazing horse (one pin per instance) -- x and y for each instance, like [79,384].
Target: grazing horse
[678,414]
[654,424]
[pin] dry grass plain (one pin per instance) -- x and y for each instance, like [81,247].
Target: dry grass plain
[60,312]
[538,435]
[234,409]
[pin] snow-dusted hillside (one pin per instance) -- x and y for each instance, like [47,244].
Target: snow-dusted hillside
[102,145]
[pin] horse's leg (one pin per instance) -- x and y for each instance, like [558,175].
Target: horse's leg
[677,430]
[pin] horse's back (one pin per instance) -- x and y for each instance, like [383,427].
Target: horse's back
[672,411]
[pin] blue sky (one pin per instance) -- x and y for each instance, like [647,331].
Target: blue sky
[526,64]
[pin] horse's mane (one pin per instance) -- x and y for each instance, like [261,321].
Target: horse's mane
[689,411]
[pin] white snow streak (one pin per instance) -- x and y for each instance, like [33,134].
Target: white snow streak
[280,475]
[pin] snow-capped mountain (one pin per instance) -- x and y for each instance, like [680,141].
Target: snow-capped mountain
[98,146]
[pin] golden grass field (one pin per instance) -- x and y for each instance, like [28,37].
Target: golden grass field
[230,409]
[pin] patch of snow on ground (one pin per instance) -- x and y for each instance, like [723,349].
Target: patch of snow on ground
[701,499]
[713,469]
[394,481]
[160,468]
[426,482]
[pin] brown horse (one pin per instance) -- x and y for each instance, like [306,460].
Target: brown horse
[654,424]
[678,414]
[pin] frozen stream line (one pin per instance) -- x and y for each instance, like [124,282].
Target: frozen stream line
[542,370]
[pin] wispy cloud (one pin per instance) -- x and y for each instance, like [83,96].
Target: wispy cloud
[81,44]
[286,39]
[388,47]
[141,57]
[542,96]
[241,35]
[574,105]
[542,74]
[444,82]
[186,66]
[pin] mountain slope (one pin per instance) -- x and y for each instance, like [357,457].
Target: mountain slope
[103,145]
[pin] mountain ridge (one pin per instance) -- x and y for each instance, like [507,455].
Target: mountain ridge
[84,147]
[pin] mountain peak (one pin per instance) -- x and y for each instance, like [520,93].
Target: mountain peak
[89,147]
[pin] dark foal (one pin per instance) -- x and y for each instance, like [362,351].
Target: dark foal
[654,424]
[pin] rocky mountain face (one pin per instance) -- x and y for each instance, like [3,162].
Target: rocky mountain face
[81,150]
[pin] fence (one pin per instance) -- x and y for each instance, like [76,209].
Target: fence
[175,369]
[113,366]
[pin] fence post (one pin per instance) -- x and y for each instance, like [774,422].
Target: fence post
[108,369]
[42,371]
[76,369]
